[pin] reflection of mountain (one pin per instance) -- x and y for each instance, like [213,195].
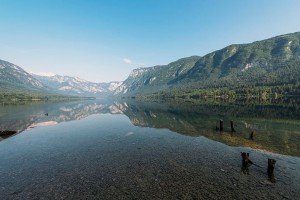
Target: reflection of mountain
[276,127]
[272,133]
[29,115]
[79,110]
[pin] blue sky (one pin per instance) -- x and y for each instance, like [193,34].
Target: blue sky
[103,40]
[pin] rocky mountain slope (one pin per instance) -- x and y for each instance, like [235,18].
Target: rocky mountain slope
[14,78]
[267,62]
[157,77]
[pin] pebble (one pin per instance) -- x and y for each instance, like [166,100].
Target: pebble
[266,182]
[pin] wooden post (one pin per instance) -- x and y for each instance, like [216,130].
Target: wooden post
[221,125]
[252,135]
[246,162]
[271,166]
[232,128]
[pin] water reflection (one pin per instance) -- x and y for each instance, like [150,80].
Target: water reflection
[27,115]
[271,127]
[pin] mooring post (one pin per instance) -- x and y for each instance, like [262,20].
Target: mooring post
[246,162]
[271,166]
[252,135]
[221,125]
[231,125]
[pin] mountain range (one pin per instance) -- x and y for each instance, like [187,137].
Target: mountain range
[76,86]
[267,64]
[271,62]
[14,79]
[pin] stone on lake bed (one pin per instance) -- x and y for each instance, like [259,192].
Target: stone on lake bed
[7,133]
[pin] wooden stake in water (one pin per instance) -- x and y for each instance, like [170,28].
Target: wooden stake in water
[271,166]
[252,135]
[221,125]
[231,125]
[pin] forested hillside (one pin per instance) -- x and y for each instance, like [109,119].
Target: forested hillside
[262,68]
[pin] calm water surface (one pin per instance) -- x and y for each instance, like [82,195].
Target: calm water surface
[135,150]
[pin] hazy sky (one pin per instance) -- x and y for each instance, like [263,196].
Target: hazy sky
[103,40]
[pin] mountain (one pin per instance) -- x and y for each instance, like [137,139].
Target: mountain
[157,77]
[15,82]
[267,63]
[14,78]
[76,86]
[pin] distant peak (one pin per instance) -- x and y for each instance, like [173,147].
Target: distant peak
[80,79]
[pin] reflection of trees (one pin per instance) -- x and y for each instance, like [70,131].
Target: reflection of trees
[275,130]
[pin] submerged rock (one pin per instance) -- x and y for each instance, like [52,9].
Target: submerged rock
[7,133]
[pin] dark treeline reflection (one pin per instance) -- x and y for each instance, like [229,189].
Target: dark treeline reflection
[275,123]
[275,126]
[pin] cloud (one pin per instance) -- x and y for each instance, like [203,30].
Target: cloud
[127,61]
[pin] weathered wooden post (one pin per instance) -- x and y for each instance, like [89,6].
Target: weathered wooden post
[221,125]
[252,135]
[231,125]
[271,166]
[246,162]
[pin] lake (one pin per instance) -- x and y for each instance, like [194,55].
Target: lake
[106,149]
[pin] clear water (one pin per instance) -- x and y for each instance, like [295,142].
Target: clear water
[135,150]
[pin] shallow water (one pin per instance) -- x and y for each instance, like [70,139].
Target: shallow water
[130,150]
